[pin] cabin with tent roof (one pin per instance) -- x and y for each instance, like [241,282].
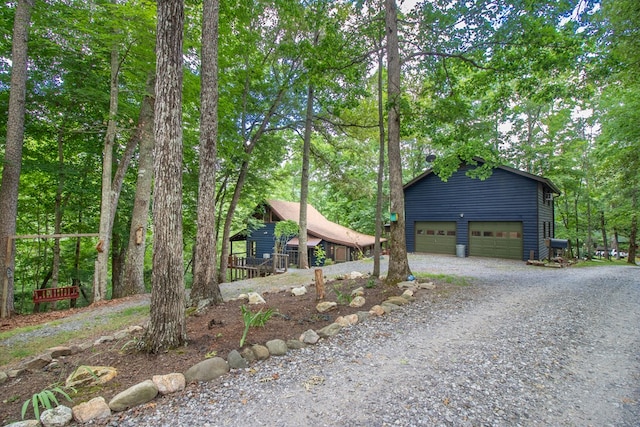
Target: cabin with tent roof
[338,243]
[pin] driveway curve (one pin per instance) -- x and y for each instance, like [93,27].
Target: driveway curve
[521,346]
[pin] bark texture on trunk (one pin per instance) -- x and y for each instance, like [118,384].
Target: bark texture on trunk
[205,280]
[102,259]
[378,236]
[303,254]
[167,326]
[133,275]
[398,262]
[13,152]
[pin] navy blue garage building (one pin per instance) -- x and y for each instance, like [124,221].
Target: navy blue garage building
[508,215]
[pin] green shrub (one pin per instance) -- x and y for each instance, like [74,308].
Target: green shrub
[253,319]
[46,398]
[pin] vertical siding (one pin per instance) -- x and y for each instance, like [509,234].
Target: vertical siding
[545,216]
[264,239]
[503,196]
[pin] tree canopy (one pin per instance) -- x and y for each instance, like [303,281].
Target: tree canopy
[551,88]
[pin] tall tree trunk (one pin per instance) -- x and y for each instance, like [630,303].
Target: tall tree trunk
[205,280]
[616,246]
[167,325]
[102,259]
[378,232]
[13,152]
[133,275]
[575,210]
[303,255]
[604,235]
[57,222]
[118,254]
[633,235]
[398,261]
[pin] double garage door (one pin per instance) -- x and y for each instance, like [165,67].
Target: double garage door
[490,239]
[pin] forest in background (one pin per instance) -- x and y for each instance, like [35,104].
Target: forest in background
[551,88]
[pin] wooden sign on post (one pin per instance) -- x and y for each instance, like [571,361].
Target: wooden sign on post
[319,284]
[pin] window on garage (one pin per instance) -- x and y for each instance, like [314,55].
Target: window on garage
[436,237]
[496,239]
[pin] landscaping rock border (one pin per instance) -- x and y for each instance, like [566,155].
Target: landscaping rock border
[206,370]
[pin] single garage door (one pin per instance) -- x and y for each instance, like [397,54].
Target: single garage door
[436,237]
[496,239]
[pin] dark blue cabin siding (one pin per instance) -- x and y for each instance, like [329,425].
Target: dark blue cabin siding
[264,239]
[504,196]
[545,221]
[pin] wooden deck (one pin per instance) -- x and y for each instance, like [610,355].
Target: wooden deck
[241,268]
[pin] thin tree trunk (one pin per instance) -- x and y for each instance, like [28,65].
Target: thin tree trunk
[633,235]
[604,235]
[205,280]
[102,259]
[242,176]
[167,324]
[398,261]
[57,223]
[378,232]
[118,254]
[303,255]
[13,152]
[133,275]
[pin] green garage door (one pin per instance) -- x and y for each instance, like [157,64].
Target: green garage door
[496,239]
[436,237]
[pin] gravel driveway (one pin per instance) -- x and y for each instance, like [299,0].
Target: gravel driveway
[522,346]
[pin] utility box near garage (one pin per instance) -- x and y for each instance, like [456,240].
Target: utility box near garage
[555,244]
[461,251]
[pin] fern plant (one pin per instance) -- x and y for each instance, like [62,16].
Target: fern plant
[45,399]
[253,319]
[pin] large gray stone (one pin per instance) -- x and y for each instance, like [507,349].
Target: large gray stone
[207,370]
[388,307]
[25,423]
[133,396]
[363,315]
[397,300]
[38,363]
[329,330]
[236,361]
[295,344]
[309,337]
[277,347]
[326,306]
[60,351]
[59,416]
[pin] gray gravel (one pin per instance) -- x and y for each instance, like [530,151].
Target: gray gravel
[522,346]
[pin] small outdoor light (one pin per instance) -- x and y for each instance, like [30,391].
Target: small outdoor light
[461,215]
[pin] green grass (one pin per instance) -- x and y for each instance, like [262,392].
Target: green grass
[602,263]
[446,278]
[101,325]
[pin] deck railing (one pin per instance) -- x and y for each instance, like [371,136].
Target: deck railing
[250,267]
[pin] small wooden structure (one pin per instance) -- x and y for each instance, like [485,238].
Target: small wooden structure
[241,268]
[56,294]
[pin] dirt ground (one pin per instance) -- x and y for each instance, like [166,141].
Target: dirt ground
[214,333]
